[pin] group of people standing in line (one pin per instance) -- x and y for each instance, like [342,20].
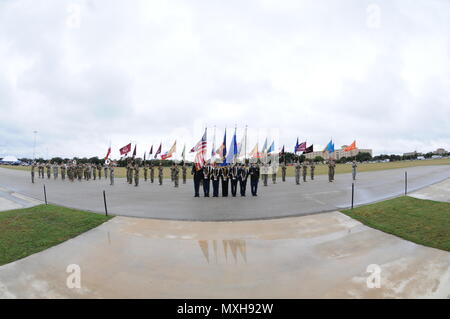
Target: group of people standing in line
[225,175]
[217,174]
[74,171]
[133,169]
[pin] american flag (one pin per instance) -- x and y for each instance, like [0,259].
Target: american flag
[200,148]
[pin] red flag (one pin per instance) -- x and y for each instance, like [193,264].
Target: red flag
[125,150]
[351,147]
[108,153]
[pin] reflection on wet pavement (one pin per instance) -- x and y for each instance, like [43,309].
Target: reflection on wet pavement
[235,246]
[316,256]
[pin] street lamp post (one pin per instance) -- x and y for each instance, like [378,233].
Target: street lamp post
[34,146]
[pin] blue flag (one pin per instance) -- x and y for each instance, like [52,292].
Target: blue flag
[233,150]
[272,147]
[330,147]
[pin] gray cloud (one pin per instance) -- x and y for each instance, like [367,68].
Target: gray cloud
[148,72]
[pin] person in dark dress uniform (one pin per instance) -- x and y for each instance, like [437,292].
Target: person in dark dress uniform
[225,176]
[234,174]
[215,177]
[206,179]
[243,175]
[254,178]
[198,177]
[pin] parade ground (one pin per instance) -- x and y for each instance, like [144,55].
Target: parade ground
[283,199]
[147,253]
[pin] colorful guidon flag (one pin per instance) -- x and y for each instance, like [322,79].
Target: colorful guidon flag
[158,151]
[351,147]
[222,150]
[125,150]
[271,148]
[329,148]
[309,149]
[108,153]
[169,154]
[254,153]
[233,150]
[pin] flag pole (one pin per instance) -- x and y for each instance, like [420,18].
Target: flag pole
[245,148]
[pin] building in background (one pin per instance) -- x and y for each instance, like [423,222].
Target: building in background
[339,153]
[440,151]
[412,154]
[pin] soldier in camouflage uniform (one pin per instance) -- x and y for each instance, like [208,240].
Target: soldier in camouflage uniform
[274,174]
[70,172]
[152,173]
[33,167]
[80,171]
[298,168]
[176,175]
[48,170]
[160,173]
[105,168]
[94,171]
[305,170]
[145,172]
[265,173]
[130,172]
[331,166]
[63,171]
[111,173]
[55,170]
[40,171]
[99,169]
[283,172]
[172,172]
[136,174]
[184,172]
[86,171]
[313,167]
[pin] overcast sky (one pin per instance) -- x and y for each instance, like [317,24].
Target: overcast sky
[84,73]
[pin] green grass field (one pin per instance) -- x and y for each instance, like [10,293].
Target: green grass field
[27,231]
[320,169]
[423,222]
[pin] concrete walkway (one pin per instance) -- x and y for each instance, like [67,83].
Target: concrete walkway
[274,201]
[316,256]
[12,200]
[438,192]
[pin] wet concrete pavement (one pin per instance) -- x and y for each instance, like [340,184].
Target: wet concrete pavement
[12,200]
[438,192]
[317,256]
[279,200]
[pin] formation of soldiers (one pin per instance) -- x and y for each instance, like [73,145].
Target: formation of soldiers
[133,173]
[228,177]
[74,171]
